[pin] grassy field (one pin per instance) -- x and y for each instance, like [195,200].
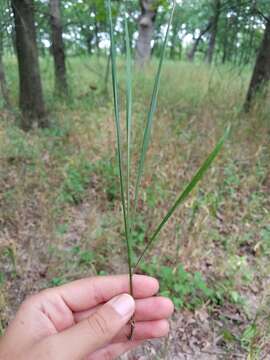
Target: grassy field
[60,214]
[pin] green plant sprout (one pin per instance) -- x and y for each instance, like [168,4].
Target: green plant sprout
[129,215]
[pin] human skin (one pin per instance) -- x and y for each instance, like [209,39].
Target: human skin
[87,319]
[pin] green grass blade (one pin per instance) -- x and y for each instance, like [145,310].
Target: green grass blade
[182,197]
[118,135]
[129,128]
[150,116]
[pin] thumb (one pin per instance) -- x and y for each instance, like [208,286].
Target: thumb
[93,333]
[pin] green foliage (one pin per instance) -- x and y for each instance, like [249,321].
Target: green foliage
[248,335]
[1,328]
[76,179]
[139,231]
[2,279]
[186,289]
[231,179]
[155,193]
[82,257]
[108,172]
[248,341]
[265,239]
[226,291]
[8,253]
[239,265]
[57,281]
[228,337]
[86,257]
[74,260]
[18,146]
[191,290]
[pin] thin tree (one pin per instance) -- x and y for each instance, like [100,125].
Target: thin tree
[3,82]
[146,24]
[31,96]
[191,53]
[58,50]
[213,31]
[261,72]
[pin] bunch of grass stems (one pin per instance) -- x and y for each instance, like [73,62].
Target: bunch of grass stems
[124,176]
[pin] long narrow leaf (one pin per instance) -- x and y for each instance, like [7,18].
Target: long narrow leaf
[118,134]
[182,197]
[153,105]
[128,127]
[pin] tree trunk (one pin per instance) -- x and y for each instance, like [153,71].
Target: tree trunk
[173,46]
[96,31]
[174,40]
[88,39]
[191,53]
[213,31]
[225,42]
[195,45]
[249,52]
[3,83]
[58,50]
[107,74]
[261,72]
[31,97]
[146,29]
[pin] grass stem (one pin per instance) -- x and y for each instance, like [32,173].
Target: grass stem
[119,146]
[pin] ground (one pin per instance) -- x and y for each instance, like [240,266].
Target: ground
[60,210]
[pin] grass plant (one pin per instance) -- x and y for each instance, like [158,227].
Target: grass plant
[125,183]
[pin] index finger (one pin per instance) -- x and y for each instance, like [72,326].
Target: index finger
[83,294]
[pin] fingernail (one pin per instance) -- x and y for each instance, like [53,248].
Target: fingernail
[124,305]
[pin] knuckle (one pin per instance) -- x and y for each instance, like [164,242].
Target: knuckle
[45,293]
[28,301]
[35,299]
[98,324]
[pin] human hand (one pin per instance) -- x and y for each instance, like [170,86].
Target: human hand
[86,319]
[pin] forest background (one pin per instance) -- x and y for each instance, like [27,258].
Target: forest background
[60,208]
